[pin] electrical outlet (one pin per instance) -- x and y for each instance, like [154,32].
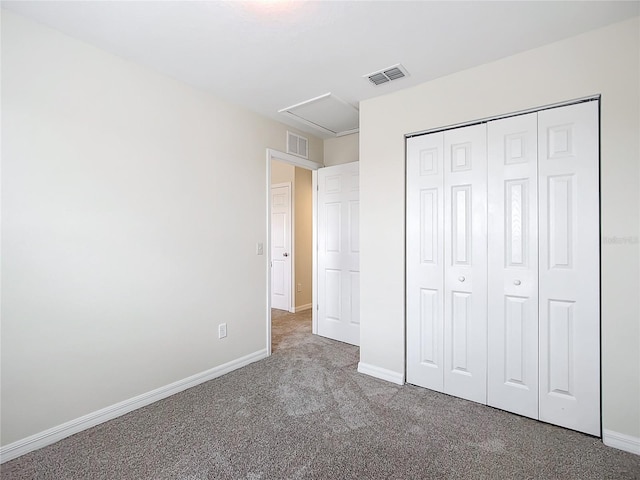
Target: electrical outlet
[299,288]
[222,330]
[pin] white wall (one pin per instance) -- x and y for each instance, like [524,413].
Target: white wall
[131,207]
[341,150]
[604,61]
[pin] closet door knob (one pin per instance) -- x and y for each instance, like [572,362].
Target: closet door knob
[517,282]
[462,279]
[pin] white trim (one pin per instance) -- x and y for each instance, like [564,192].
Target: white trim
[621,441]
[302,308]
[289,158]
[348,132]
[306,102]
[314,252]
[267,244]
[292,245]
[381,373]
[52,435]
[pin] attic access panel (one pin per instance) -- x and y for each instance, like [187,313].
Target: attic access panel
[327,113]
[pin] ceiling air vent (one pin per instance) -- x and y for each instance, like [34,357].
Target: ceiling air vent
[388,74]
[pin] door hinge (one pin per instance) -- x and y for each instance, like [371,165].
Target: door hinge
[318,307]
[317,188]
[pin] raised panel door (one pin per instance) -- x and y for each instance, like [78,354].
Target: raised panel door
[569,264]
[281,246]
[465,262]
[512,382]
[338,253]
[425,266]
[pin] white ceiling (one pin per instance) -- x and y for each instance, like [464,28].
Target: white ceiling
[268,55]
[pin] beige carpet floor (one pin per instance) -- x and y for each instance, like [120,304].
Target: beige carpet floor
[304,413]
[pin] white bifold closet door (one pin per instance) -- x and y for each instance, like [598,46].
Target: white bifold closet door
[425,261]
[513,265]
[447,262]
[569,266]
[503,276]
[465,257]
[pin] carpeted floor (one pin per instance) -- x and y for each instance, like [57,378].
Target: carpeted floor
[306,413]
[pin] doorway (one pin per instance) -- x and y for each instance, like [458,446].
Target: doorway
[301,255]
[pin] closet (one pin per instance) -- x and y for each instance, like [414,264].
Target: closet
[502,272]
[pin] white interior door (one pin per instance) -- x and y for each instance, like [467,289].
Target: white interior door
[425,261]
[569,267]
[512,382]
[465,256]
[339,253]
[281,246]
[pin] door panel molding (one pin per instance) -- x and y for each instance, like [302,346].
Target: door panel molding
[569,267]
[513,265]
[465,262]
[425,261]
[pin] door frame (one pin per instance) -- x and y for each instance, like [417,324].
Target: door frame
[272,154]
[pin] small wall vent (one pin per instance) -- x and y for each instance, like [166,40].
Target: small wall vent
[388,74]
[297,145]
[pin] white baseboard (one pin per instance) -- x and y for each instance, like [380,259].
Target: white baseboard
[381,373]
[302,308]
[52,435]
[621,441]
